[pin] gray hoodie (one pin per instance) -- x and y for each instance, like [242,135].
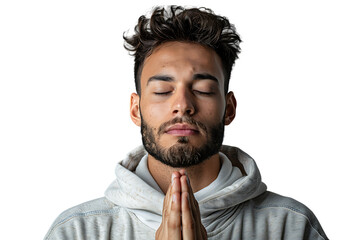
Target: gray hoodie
[242,210]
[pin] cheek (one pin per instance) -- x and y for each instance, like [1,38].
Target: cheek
[214,111]
[154,113]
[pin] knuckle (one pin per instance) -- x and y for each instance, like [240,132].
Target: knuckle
[165,213]
[189,225]
[173,225]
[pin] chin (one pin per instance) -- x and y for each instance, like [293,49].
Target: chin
[183,140]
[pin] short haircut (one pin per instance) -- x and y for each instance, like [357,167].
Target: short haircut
[194,25]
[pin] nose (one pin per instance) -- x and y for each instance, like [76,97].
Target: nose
[183,103]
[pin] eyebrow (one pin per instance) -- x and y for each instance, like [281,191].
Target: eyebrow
[205,76]
[164,78]
[197,76]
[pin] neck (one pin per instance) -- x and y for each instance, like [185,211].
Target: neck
[200,175]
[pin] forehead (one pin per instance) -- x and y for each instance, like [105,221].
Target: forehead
[181,59]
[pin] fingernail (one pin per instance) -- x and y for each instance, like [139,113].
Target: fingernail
[172,177]
[174,198]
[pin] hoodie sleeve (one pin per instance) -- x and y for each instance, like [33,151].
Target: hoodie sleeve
[287,217]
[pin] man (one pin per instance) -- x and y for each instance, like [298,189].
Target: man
[182,183]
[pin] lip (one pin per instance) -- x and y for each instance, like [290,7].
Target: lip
[182,130]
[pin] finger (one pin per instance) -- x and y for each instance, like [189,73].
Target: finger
[175,182]
[191,218]
[174,187]
[182,172]
[175,192]
[186,187]
[187,220]
[174,219]
[170,227]
[167,201]
[184,184]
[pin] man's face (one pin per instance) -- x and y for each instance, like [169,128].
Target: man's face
[182,105]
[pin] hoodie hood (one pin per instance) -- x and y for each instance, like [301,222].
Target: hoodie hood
[131,192]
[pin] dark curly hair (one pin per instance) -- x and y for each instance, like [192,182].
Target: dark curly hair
[196,25]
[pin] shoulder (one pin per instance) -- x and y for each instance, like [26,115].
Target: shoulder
[91,213]
[287,211]
[270,199]
[96,206]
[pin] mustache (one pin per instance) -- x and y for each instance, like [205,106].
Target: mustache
[184,119]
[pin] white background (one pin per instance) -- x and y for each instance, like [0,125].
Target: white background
[65,88]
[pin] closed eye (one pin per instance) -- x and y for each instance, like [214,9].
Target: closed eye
[203,93]
[162,93]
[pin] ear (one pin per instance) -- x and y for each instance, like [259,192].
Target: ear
[135,109]
[230,110]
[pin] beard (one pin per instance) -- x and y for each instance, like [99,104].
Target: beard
[182,154]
